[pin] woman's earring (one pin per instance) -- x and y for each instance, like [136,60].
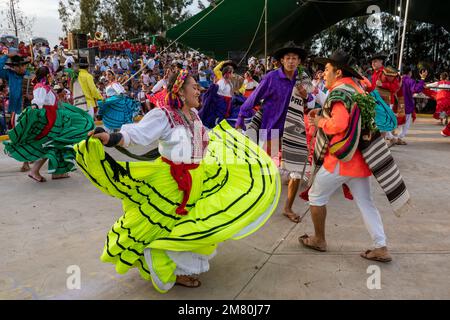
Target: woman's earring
[183,99]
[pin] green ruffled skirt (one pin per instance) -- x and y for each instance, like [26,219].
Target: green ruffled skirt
[71,126]
[235,190]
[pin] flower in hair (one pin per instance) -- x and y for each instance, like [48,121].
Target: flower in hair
[180,81]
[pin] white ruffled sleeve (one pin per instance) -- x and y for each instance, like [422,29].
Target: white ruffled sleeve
[118,88]
[153,127]
[158,86]
[39,97]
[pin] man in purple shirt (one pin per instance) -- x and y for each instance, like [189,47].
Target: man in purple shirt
[275,90]
[409,87]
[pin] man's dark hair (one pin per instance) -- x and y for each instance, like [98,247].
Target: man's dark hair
[345,73]
[227,69]
[406,70]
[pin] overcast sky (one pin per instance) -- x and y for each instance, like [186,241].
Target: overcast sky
[47,22]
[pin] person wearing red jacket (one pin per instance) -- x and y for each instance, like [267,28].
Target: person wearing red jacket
[24,51]
[388,84]
[442,97]
[387,87]
[385,79]
[377,67]
[114,48]
[126,44]
[121,46]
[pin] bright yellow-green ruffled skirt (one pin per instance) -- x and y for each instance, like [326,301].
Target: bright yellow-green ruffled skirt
[235,190]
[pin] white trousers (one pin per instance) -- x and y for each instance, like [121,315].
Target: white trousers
[326,183]
[405,128]
[390,135]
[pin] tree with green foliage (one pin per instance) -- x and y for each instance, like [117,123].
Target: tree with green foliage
[209,3]
[108,18]
[68,10]
[424,42]
[122,19]
[89,16]
[15,20]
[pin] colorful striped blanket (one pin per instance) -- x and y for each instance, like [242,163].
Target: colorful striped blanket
[375,152]
[294,147]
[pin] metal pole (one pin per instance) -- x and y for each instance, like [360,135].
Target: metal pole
[402,48]
[399,38]
[78,46]
[162,16]
[265,37]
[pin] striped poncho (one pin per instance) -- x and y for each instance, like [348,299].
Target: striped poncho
[375,151]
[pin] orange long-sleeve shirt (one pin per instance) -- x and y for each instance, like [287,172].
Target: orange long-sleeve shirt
[337,126]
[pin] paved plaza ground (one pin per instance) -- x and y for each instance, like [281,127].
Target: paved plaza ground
[46,228]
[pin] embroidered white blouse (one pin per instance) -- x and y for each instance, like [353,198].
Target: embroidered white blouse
[225,88]
[250,85]
[114,89]
[176,142]
[42,97]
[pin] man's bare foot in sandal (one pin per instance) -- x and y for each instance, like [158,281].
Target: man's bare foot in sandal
[379,255]
[188,281]
[312,242]
[292,216]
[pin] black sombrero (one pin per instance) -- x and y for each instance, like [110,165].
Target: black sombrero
[290,47]
[17,61]
[229,64]
[343,61]
[379,56]
[83,62]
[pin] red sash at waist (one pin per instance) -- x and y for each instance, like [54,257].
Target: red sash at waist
[228,101]
[180,172]
[50,114]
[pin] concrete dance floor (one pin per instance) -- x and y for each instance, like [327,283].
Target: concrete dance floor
[46,229]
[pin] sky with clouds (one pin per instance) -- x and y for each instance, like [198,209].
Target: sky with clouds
[46,16]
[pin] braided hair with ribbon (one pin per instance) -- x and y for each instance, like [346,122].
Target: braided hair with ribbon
[173,98]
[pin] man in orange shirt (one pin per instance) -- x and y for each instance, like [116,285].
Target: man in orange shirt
[340,81]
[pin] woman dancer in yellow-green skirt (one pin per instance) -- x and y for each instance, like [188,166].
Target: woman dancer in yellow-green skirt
[206,188]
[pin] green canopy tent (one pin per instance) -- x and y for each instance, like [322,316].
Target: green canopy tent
[237,26]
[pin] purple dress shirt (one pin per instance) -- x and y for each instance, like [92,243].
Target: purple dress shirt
[409,88]
[276,90]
